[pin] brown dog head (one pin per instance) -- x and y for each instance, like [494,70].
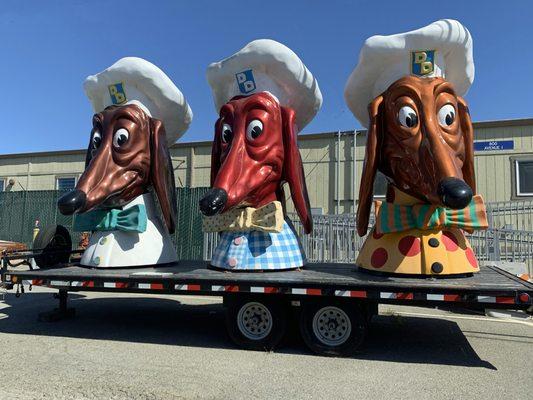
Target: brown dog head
[421,137]
[254,152]
[127,153]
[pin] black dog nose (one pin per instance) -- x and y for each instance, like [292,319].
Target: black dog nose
[71,202]
[454,193]
[213,201]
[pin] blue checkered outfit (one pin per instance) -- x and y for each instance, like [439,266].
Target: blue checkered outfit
[256,250]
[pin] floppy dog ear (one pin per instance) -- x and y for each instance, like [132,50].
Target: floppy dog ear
[468,136]
[216,150]
[370,166]
[88,155]
[162,174]
[293,171]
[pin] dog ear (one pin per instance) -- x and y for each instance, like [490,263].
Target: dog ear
[162,174]
[373,143]
[89,155]
[216,150]
[293,171]
[468,137]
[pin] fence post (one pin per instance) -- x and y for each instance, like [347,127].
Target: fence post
[490,216]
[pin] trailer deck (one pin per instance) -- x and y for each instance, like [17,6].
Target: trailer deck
[334,302]
[491,285]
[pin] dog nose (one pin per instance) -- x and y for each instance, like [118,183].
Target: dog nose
[454,193]
[71,202]
[213,201]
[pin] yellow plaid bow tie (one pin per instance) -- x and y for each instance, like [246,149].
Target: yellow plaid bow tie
[268,218]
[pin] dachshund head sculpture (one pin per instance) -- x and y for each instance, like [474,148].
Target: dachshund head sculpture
[407,90]
[127,154]
[254,152]
[420,137]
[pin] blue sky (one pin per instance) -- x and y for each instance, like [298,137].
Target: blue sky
[49,47]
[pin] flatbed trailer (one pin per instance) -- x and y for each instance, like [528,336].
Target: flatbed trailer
[334,302]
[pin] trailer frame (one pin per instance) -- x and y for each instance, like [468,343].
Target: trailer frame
[330,299]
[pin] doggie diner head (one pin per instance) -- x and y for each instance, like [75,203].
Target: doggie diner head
[254,152]
[127,153]
[420,136]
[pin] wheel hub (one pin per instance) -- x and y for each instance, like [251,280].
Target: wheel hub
[332,326]
[254,321]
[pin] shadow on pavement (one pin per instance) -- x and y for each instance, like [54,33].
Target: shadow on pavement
[166,321]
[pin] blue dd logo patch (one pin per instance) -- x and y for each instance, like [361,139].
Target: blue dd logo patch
[246,81]
[422,62]
[117,93]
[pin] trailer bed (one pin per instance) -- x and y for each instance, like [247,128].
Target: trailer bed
[491,287]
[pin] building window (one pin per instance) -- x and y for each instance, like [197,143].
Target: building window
[380,185]
[65,183]
[2,184]
[524,177]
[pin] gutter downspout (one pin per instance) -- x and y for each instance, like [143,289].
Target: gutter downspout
[338,167]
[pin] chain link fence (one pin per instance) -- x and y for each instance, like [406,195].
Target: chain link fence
[334,237]
[19,210]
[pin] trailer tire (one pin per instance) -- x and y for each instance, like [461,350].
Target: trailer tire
[256,323]
[333,328]
[55,244]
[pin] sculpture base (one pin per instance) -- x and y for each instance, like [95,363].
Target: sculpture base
[418,252]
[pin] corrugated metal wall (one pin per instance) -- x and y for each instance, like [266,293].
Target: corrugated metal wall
[332,180]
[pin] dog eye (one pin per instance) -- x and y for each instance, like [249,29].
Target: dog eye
[407,117]
[446,115]
[120,137]
[254,129]
[227,133]
[96,140]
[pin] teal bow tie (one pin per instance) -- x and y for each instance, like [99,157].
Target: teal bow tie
[132,219]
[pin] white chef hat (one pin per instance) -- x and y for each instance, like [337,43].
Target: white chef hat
[267,66]
[441,49]
[132,80]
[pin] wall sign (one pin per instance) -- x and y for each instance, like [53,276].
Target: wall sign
[494,145]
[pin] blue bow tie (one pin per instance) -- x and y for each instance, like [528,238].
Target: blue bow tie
[132,219]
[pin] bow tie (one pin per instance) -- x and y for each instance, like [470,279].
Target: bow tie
[132,219]
[268,218]
[392,217]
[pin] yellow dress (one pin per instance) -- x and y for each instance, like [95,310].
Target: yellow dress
[418,252]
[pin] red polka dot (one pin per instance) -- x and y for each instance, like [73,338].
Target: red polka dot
[450,241]
[376,235]
[471,257]
[379,257]
[409,246]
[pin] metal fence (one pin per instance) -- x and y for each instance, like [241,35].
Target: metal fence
[19,210]
[334,237]
[515,215]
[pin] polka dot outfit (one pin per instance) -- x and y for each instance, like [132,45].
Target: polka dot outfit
[420,252]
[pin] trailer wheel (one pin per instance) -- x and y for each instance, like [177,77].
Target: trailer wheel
[55,244]
[333,329]
[256,323]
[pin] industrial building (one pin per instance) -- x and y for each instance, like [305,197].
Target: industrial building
[332,161]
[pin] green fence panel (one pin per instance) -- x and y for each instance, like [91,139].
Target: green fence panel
[20,209]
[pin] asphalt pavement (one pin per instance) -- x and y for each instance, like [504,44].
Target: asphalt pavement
[168,347]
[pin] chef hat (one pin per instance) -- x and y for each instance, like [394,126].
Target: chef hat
[132,80]
[267,66]
[441,49]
